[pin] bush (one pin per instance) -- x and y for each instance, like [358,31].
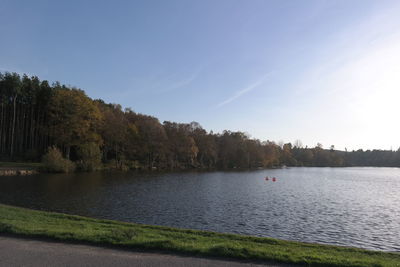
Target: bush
[90,157]
[53,161]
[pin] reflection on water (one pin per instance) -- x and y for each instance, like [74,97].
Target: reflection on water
[343,206]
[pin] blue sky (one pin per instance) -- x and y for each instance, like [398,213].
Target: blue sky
[318,71]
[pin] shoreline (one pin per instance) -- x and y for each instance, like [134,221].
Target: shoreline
[17,171]
[19,168]
[72,228]
[32,168]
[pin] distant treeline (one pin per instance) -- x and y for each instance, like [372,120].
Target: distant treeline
[36,116]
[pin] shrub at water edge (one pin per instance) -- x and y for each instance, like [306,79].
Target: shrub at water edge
[53,161]
[90,157]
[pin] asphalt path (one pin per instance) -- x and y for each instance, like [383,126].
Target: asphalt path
[29,252]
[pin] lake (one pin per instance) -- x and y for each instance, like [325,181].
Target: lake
[357,207]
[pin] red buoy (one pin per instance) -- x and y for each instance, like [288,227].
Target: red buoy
[273,179]
[266,178]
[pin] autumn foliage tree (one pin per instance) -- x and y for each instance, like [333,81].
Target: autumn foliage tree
[75,119]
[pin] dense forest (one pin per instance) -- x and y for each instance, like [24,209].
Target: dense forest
[37,118]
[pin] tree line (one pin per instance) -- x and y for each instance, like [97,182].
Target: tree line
[37,117]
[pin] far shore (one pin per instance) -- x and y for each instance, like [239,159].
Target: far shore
[31,168]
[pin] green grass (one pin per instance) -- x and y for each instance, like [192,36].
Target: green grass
[19,221]
[14,165]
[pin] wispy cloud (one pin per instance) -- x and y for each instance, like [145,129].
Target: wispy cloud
[182,83]
[338,60]
[162,82]
[245,90]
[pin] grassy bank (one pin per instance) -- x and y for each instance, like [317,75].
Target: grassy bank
[23,165]
[14,220]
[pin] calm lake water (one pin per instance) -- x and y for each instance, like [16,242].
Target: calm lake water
[343,206]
